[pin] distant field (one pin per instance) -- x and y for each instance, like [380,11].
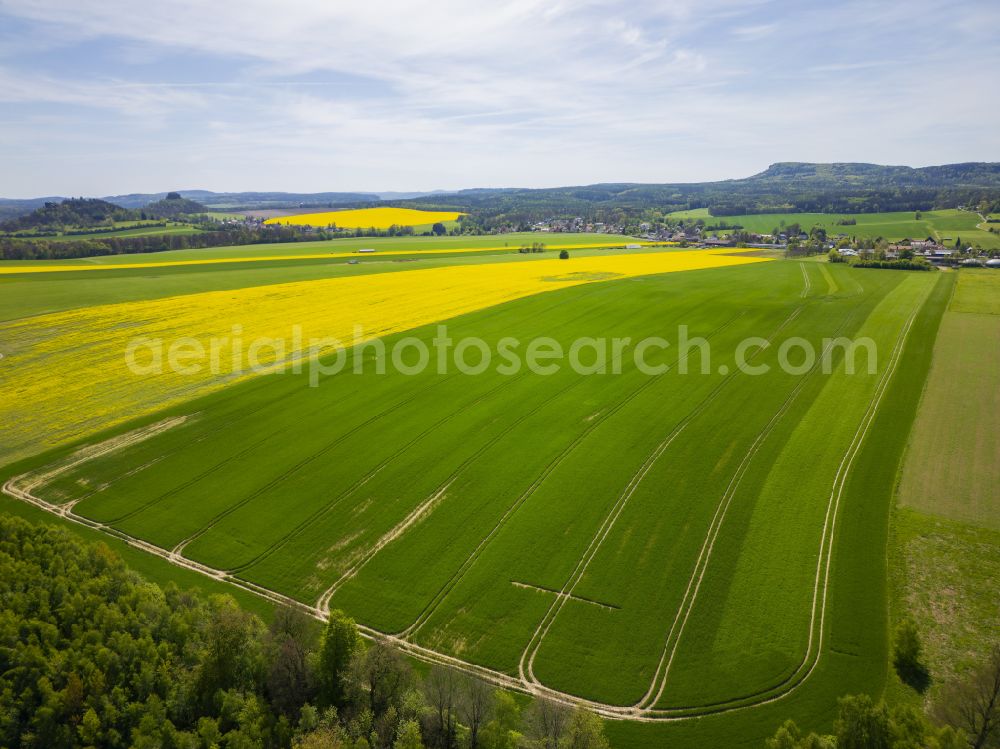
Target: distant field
[978,291]
[695,213]
[269,212]
[941,225]
[953,463]
[223,215]
[338,248]
[144,231]
[364,218]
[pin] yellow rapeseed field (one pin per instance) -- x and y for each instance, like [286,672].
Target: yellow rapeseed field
[367,218]
[64,375]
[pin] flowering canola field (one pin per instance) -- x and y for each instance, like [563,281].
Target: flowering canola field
[65,374]
[365,218]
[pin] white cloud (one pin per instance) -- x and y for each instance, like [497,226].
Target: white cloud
[401,95]
[129,99]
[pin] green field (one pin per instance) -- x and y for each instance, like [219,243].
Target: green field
[944,225]
[662,546]
[170,229]
[945,541]
[952,467]
[978,292]
[224,215]
[384,246]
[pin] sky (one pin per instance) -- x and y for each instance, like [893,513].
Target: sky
[106,97]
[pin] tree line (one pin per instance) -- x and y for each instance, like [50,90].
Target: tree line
[91,654]
[212,234]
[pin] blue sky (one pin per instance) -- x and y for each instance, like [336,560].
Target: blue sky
[112,96]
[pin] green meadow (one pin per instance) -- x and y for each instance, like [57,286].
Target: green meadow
[695,544]
[951,468]
[945,540]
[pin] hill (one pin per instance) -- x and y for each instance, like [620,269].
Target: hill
[13,207]
[218,201]
[235,200]
[174,206]
[76,212]
[841,175]
[786,187]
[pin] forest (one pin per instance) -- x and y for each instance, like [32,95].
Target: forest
[91,654]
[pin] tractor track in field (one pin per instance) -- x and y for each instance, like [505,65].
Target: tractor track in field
[813,652]
[14,488]
[806,283]
[527,660]
[705,553]
[471,560]
[831,284]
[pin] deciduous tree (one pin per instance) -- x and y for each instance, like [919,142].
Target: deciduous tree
[340,642]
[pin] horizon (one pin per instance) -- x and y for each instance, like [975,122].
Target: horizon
[112,99]
[440,191]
